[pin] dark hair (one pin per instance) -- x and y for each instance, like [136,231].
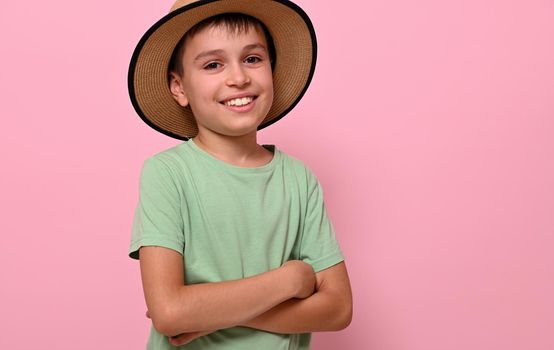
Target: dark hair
[234,22]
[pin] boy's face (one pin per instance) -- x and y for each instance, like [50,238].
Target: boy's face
[219,66]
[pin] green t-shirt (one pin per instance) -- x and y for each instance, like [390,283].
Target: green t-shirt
[231,222]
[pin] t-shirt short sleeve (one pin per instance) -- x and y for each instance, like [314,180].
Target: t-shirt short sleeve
[319,246]
[158,218]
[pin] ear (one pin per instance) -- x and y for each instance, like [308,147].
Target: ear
[177,89]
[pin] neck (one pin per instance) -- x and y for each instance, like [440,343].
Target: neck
[237,150]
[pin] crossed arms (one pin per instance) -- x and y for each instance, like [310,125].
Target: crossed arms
[288,299]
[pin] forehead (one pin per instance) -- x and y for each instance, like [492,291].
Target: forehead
[222,37]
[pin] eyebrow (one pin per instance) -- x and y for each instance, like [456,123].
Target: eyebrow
[221,52]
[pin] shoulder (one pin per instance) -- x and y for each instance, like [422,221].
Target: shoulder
[170,161]
[164,169]
[299,167]
[168,156]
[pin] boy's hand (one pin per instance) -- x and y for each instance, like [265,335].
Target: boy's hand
[183,338]
[186,338]
[302,278]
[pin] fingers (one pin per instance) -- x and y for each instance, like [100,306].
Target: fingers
[186,338]
[183,339]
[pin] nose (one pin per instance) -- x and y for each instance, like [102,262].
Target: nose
[237,76]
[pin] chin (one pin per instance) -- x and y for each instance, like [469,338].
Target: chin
[240,130]
[234,132]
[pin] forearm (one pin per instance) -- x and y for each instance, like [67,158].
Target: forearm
[322,311]
[219,305]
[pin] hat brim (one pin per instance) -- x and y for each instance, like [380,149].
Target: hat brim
[295,48]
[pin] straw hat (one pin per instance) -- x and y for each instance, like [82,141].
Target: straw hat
[295,57]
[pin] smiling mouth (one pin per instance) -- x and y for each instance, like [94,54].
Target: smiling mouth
[239,102]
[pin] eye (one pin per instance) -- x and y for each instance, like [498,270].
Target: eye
[212,65]
[253,59]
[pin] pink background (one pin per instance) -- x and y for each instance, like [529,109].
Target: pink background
[430,127]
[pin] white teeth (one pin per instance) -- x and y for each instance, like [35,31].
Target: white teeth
[239,101]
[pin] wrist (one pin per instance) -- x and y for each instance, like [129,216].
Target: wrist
[247,323]
[282,285]
[287,274]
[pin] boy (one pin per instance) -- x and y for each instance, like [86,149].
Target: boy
[236,249]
